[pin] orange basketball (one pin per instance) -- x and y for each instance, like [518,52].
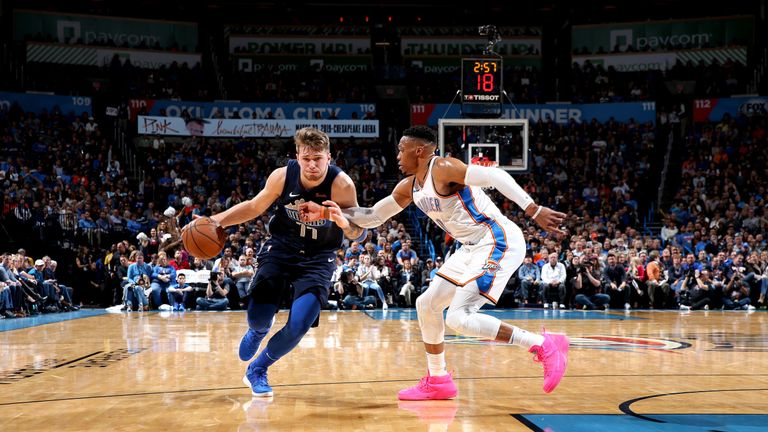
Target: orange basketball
[202,238]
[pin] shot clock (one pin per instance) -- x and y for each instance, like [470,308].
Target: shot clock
[481,86]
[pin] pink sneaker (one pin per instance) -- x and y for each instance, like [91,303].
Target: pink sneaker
[553,355]
[430,388]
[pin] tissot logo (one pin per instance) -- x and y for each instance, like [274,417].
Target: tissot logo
[601,342]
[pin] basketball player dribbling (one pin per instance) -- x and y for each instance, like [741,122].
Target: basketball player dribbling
[451,194]
[298,254]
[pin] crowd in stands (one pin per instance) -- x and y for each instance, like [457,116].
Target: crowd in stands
[64,188]
[591,83]
[712,253]
[30,287]
[120,80]
[62,185]
[273,85]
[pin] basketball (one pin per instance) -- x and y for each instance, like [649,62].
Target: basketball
[202,238]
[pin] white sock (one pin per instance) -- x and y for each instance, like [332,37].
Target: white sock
[525,338]
[436,364]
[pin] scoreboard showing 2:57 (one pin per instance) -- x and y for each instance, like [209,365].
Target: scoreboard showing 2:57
[481,80]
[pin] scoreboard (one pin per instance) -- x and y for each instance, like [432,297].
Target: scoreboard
[481,86]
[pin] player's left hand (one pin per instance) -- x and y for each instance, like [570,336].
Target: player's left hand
[311,211]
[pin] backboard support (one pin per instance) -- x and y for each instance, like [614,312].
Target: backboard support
[502,142]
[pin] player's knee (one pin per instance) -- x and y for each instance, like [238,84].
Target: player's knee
[424,304]
[457,320]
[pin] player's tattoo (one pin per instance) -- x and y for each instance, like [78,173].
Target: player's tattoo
[353,231]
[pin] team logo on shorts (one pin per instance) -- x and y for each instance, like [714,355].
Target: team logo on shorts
[491,267]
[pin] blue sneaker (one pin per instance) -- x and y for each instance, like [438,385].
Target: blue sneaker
[249,344]
[256,379]
[182,308]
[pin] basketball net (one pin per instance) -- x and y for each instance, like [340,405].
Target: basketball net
[484,161]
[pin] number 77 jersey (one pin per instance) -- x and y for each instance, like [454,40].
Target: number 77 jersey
[286,227]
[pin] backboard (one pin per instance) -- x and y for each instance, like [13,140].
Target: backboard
[489,142]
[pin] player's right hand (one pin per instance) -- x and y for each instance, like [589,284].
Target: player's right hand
[550,220]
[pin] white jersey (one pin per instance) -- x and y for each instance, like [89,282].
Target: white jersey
[466,215]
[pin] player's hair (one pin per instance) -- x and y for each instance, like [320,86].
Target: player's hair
[421,132]
[315,139]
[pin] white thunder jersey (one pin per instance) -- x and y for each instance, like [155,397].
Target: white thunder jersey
[492,246]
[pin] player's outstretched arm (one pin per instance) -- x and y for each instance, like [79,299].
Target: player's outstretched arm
[257,205]
[452,170]
[371,217]
[365,217]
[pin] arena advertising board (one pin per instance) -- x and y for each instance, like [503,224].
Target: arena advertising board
[664,35]
[249,62]
[254,128]
[452,65]
[292,45]
[102,56]
[467,46]
[713,110]
[103,30]
[561,113]
[249,110]
[634,62]
[33,102]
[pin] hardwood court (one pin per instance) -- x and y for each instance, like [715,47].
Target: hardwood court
[179,372]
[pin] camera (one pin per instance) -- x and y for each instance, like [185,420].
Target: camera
[486,30]
[492,33]
[214,277]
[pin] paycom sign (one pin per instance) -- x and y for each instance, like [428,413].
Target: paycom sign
[622,38]
[102,30]
[671,35]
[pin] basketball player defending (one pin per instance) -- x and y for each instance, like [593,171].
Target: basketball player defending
[451,194]
[298,254]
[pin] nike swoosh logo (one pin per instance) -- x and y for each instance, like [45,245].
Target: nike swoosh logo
[293,195]
[331,259]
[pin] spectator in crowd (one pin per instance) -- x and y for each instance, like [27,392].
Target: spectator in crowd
[530,280]
[656,282]
[615,277]
[407,283]
[589,288]
[407,254]
[215,294]
[242,275]
[163,276]
[353,293]
[697,295]
[139,274]
[368,275]
[553,283]
[179,292]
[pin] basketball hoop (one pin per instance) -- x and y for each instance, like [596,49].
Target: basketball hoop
[488,163]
